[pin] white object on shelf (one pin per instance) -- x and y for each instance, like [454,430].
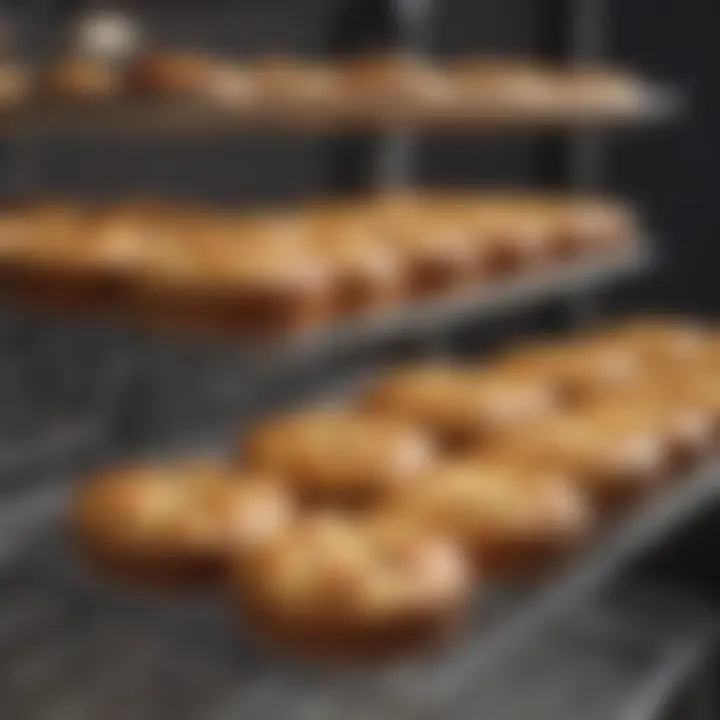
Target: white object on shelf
[107,33]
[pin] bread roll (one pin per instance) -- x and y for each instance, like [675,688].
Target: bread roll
[339,457]
[461,407]
[509,519]
[355,590]
[177,527]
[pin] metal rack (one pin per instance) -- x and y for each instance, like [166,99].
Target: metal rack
[72,642]
[73,646]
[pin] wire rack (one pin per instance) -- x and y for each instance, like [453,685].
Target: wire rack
[72,646]
[73,643]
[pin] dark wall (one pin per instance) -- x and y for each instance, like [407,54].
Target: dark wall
[674,172]
[671,171]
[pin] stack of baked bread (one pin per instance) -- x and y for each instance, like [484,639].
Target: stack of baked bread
[361,532]
[366,89]
[270,273]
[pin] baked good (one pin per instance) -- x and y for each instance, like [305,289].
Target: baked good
[574,370]
[393,88]
[94,266]
[82,79]
[438,255]
[510,518]
[498,90]
[221,284]
[660,343]
[685,426]
[514,236]
[357,590]
[460,406]
[366,274]
[592,93]
[588,225]
[36,239]
[297,86]
[232,86]
[616,457]
[176,526]
[339,456]
[192,75]
[697,390]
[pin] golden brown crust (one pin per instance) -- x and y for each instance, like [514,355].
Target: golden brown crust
[576,369]
[361,589]
[389,87]
[294,84]
[261,289]
[176,526]
[460,406]
[340,456]
[510,517]
[592,92]
[366,273]
[615,456]
[170,73]
[661,343]
[271,273]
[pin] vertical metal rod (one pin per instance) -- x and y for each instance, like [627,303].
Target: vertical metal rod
[397,152]
[586,151]
[585,166]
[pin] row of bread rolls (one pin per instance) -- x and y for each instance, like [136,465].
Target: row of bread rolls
[364,88]
[360,532]
[283,271]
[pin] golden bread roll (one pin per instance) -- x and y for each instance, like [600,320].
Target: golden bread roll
[594,93]
[510,518]
[585,225]
[498,89]
[355,590]
[367,273]
[177,526]
[438,256]
[660,343]
[339,457]
[573,370]
[461,407]
[389,88]
[187,75]
[297,86]
[262,289]
[685,426]
[614,456]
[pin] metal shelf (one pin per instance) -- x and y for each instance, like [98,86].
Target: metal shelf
[506,295]
[659,104]
[93,644]
[226,381]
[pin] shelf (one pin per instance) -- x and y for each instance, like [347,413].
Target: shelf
[416,318]
[424,318]
[97,641]
[658,104]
